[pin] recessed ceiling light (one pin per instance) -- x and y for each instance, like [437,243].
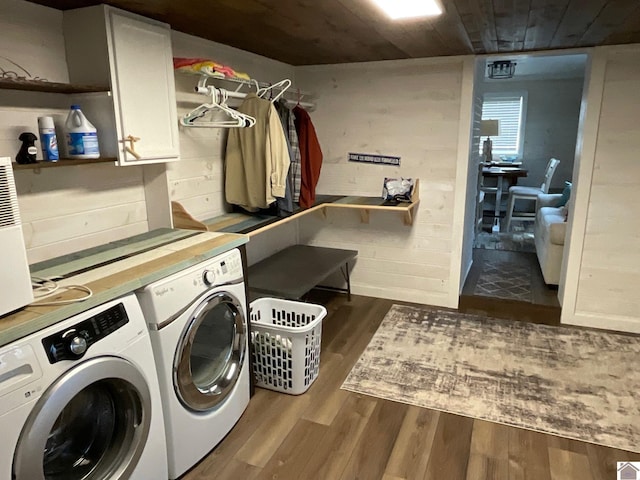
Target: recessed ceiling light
[398,9]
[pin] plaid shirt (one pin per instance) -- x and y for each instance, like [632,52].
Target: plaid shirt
[294,168]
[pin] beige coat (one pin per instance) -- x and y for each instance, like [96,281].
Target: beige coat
[257,158]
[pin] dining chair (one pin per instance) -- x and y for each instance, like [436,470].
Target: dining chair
[528,193]
[481,191]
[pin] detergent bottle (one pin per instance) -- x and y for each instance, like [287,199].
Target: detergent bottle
[81,135]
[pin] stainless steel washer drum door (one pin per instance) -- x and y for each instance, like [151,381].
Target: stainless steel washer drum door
[210,353]
[91,424]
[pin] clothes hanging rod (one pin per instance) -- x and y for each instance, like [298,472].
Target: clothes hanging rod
[253,83]
[232,94]
[229,93]
[301,103]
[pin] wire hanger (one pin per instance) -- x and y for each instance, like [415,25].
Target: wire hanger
[218,104]
[283,85]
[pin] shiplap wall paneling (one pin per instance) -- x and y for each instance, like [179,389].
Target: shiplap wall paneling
[197,181]
[406,108]
[72,208]
[271,241]
[393,261]
[32,37]
[610,271]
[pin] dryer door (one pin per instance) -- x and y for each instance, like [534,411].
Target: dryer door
[92,423]
[210,353]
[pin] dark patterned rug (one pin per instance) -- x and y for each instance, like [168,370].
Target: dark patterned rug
[510,280]
[575,383]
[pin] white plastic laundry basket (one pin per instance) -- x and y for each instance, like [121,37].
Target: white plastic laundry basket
[286,343]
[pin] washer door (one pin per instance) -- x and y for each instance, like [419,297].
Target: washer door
[91,424]
[210,353]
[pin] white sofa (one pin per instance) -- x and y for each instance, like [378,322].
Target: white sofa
[549,236]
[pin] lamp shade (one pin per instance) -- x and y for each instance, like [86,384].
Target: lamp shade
[489,128]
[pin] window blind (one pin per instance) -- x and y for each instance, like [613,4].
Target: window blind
[508,110]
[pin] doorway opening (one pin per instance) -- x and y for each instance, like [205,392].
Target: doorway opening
[519,124]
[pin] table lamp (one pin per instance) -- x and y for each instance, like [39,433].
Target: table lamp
[488,128]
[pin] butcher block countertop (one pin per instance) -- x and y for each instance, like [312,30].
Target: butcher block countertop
[114,270]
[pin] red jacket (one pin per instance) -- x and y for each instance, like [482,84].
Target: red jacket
[310,157]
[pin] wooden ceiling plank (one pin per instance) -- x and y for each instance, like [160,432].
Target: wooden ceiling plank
[237,31]
[478,20]
[413,37]
[612,18]
[332,26]
[544,18]
[579,15]
[450,28]
[629,32]
[511,18]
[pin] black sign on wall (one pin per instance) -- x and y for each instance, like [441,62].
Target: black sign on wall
[372,158]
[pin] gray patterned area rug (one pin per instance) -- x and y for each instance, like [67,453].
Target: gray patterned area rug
[575,383]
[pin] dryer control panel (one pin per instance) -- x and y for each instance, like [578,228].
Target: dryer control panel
[165,298]
[73,342]
[222,270]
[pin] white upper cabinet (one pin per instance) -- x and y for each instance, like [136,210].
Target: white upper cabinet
[138,123]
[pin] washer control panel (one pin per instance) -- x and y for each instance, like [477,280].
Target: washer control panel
[73,342]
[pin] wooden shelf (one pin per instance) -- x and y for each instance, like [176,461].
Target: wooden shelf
[252,224]
[51,87]
[367,204]
[63,162]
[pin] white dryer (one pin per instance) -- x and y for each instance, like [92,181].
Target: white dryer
[80,400]
[198,326]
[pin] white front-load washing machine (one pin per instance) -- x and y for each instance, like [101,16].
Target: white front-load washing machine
[80,400]
[198,325]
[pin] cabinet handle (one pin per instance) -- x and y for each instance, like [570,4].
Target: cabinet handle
[131,148]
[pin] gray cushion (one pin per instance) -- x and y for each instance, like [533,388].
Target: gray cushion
[530,191]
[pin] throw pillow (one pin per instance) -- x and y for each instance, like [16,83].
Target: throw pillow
[566,194]
[567,208]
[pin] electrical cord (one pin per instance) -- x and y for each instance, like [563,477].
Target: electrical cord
[43,287]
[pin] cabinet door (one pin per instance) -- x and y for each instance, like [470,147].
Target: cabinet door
[143,89]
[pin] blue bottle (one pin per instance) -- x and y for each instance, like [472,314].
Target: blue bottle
[48,139]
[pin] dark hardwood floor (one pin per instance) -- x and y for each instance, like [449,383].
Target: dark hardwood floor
[331,434]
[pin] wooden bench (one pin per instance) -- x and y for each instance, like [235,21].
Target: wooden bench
[294,271]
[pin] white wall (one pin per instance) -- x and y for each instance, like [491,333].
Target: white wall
[411,109]
[63,209]
[551,124]
[603,266]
